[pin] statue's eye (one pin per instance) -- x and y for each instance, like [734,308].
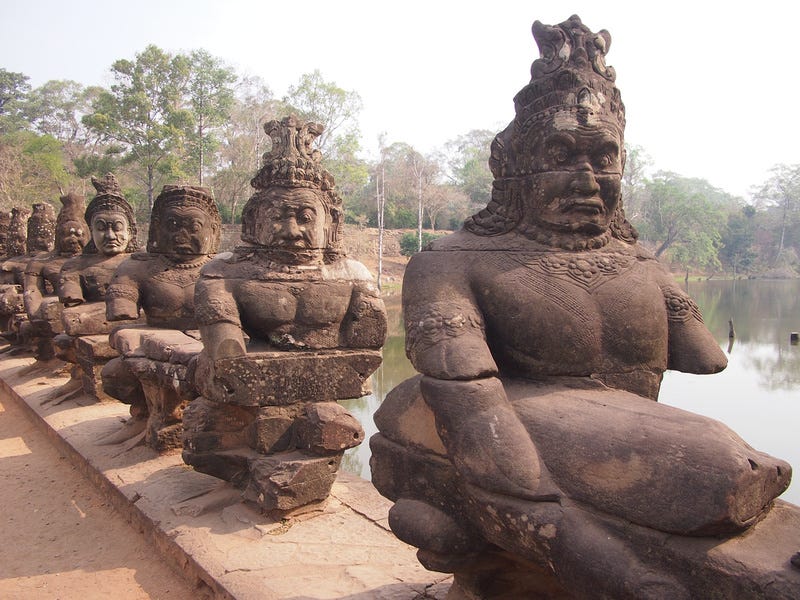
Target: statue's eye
[119,226]
[605,160]
[305,216]
[196,226]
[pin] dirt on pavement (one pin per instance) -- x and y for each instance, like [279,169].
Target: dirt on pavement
[59,538]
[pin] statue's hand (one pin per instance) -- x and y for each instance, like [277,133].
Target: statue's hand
[484,438]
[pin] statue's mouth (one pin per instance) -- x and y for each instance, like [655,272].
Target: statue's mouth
[588,206]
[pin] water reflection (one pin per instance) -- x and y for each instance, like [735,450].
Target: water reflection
[757,395]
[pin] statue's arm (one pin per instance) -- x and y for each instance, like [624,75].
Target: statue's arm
[446,342]
[691,347]
[123,296]
[70,292]
[33,288]
[365,325]
[218,318]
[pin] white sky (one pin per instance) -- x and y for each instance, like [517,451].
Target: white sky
[708,87]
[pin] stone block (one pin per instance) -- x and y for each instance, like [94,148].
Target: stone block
[288,481]
[94,348]
[275,428]
[169,345]
[327,427]
[281,378]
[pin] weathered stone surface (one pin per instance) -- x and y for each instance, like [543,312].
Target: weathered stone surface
[286,481]
[327,427]
[95,348]
[280,378]
[159,285]
[286,321]
[275,427]
[531,459]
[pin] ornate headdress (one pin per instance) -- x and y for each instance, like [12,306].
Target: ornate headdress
[184,195]
[41,228]
[570,78]
[109,197]
[292,162]
[72,209]
[18,230]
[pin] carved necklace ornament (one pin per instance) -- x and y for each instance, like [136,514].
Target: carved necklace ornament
[589,270]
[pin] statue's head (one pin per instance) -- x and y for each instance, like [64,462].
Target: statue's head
[558,165]
[41,228]
[295,208]
[5,223]
[18,230]
[185,223]
[111,221]
[72,233]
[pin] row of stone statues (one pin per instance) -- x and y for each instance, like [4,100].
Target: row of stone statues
[530,456]
[288,324]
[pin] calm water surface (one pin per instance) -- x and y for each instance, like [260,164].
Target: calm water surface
[758,395]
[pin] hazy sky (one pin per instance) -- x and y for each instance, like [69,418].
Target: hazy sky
[708,88]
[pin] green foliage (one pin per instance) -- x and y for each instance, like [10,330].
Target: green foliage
[467,158]
[143,112]
[210,94]
[409,243]
[737,252]
[13,90]
[31,169]
[684,217]
[781,193]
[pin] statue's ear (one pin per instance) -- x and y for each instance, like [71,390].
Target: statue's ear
[623,155]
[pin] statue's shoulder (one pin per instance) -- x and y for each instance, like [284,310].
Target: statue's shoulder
[348,269]
[142,256]
[220,266]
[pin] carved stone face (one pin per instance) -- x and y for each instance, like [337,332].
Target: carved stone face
[71,236]
[577,177]
[295,219]
[185,232]
[110,232]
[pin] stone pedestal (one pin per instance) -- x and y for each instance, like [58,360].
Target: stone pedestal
[160,360]
[86,331]
[269,422]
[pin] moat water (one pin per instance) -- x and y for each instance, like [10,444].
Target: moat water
[758,395]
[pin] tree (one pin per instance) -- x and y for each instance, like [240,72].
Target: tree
[31,169]
[242,143]
[782,190]
[634,180]
[314,99]
[467,159]
[13,89]
[143,113]
[684,216]
[211,96]
[737,240]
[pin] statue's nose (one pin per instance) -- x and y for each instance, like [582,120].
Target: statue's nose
[292,230]
[584,182]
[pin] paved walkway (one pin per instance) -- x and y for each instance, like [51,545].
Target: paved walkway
[196,523]
[60,536]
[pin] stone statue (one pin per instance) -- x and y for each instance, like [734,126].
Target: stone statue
[84,279]
[289,326]
[185,228]
[39,240]
[5,224]
[10,288]
[529,457]
[41,274]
